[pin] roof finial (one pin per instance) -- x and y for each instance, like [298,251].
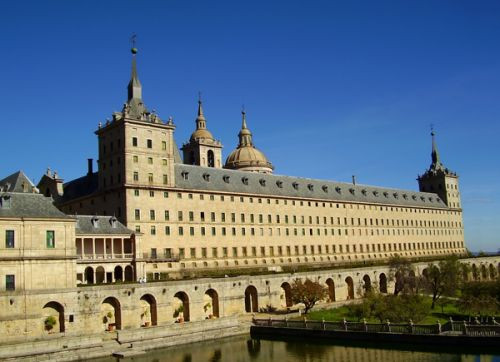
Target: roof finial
[244,117]
[133,40]
[134,86]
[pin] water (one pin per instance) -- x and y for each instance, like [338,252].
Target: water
[243,349]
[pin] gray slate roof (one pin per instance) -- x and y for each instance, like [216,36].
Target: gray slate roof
[79,187]
[17,182]
[269,185]
[104,226]
[14,204]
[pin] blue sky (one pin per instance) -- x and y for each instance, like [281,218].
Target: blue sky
[331,88]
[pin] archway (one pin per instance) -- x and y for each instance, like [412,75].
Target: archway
[53,317]
[111,314]
[129,273]
[493,272]
[211,304]
[251,299]
[350,288]
[484,272]
[181,307]
[99,275]
[287,294]
[331,289]
[118,273]
[383,283]
[210,158]
[475,272]
[89,275]
[149,311]
[367,283]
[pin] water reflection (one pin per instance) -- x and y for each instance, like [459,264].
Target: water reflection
[243,348]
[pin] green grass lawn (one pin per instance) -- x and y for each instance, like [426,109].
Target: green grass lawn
[338,314]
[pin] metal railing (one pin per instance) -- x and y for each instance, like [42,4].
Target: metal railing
[402,328]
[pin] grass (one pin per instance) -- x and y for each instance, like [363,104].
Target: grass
[438,314]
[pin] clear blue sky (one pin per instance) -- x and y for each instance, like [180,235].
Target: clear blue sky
[331,88]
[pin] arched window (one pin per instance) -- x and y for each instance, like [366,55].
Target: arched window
[211,158]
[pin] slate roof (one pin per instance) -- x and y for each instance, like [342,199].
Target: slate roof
[20,204]
[15,183]
[104,226]
[79,187]
[212,179]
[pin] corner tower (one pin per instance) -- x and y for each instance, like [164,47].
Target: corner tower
[202,149]
[440,180]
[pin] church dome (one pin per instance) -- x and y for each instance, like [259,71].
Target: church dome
[246,157]
[201,134]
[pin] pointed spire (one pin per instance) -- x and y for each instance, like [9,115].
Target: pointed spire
[134,86]
[200,120]
[245,135]
[436,160]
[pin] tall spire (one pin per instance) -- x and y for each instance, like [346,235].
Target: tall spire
[134,86]
[245,135]
[436,160]
[200,120]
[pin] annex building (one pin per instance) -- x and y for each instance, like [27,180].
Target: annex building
[201,212]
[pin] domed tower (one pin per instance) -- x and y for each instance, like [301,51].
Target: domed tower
[246,157]
[440,180]
[202,149]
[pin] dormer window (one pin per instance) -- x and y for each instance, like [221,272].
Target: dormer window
[375,193]
[114,222]
[414,197]
[310,187]
[244,180]
[431,199]
[325,188]
[405,196]
[363,192]
[338,189]
[422,198]
[262,182]
[185,175]
[5,202]
[206,177]
[352,191]
[386,194]
[295,185]
[279,184]
[95,222]
[396,195]
[225,178]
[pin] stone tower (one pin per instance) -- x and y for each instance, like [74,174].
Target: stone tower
[440,180]
[202,149]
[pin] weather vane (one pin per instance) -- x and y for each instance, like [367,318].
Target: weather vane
[199,96]
[133,39]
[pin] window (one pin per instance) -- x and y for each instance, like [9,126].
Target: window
[167,230]
[136,159]
[164,146]
[136,176]
[165,179]
[10,282]
[149,143]
[153,230]
[134,141]
[179,216]
[9,238]
[136,192]
[51,239]
[150,177]
[150,160]
[137,214]
[152,215]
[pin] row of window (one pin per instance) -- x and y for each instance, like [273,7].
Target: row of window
[10,239]
[300,250]
[304,231]
[259,218]
[135,143]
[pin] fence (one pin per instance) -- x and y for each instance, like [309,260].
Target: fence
[449,328]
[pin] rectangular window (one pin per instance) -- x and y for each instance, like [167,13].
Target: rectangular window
[167,252]
[165,179]
[224,252]
[136,192]
[202,230]
[152,215]
[153,230]
[163,145]
[51,239]
[181,253]
[134,141]
[191,216]
[235,252]
[137,214]
[9,238]
[212,216]
[149,143]
[179,215]
[192,252]
[136,159]
[203,252]
[10,282]
[223,217]
[150,177]
[167,215]
[167,230]
[181,231]
[214,252]
[150,160]
[136,176]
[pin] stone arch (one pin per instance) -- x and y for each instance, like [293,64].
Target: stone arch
[475,272]
[350,288]
[211,303]
[111,313]
[367,283]
[425,272]
[181,306]
[287,292]
[399,283]
[493,272]
[251,299]
[56,310]
[118,273]
[331,289]
[382,283]
[149,310]
[100,274]
[210,158]
[129,273]
[89,275]
[484,272]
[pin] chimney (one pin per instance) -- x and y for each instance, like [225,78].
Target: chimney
[90,167]
[354,180]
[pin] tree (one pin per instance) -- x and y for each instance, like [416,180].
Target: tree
[402,271]
[307,292]
[443,279]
